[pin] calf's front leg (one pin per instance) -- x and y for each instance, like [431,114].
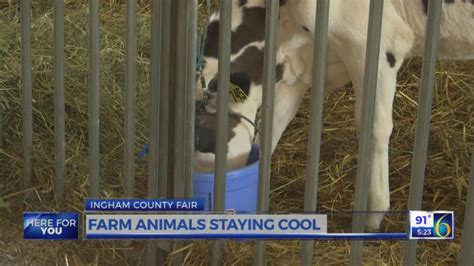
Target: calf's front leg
[378,191]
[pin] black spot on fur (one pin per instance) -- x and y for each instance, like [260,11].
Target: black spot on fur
[305,28]
[251,62]
[282,2]
[390,59]
[203,141]
[205,130]
[252,29]
[242,2]
[211,41]
[449,1]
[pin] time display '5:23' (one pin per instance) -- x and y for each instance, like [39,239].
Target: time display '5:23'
[424,232]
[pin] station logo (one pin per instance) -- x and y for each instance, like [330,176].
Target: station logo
[431,225]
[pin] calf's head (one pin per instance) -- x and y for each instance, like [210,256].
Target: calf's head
[244,100]
[245,87]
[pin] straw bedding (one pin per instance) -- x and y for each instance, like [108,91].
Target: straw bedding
[451,139]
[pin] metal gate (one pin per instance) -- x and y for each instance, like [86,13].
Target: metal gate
[173,42]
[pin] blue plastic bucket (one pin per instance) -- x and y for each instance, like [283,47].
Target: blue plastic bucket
[241,186]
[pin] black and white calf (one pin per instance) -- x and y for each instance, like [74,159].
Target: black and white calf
[248,32]
[403,30]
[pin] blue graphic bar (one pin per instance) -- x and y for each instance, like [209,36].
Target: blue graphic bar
[144,205]
[330,236]
[50,226]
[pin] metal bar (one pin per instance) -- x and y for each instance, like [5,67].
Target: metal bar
[164,88]
[155,78]
[367,120]
[94,98]
[130,96]
[26,84]
[271,32]
[164,100]
[173,50]
[59,111]
[467,243]
[190,95]
[180,113]
[189,102]
[223,78]
[316,116]
[179,154]
[428,73]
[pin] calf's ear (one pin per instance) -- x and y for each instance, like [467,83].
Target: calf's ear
[239,86]
[242,80]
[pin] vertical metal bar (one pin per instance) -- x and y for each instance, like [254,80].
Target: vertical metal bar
[316,115]
[164,100]
[367,121]
[190,95]
[179,154]
[94,98]
[155,77]
[271,32]
[173,34]
[180,112]
[428,73]
[164,126]
[222,118]
[467,243]
[130,96]
[173,50]
[164,109]
[59,141]
[189,78]
[26,84]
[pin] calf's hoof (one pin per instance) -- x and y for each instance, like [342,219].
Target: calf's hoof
[373,221]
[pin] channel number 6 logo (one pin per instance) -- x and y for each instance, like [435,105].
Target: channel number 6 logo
[442,228]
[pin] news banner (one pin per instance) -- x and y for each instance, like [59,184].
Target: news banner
[187,219]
